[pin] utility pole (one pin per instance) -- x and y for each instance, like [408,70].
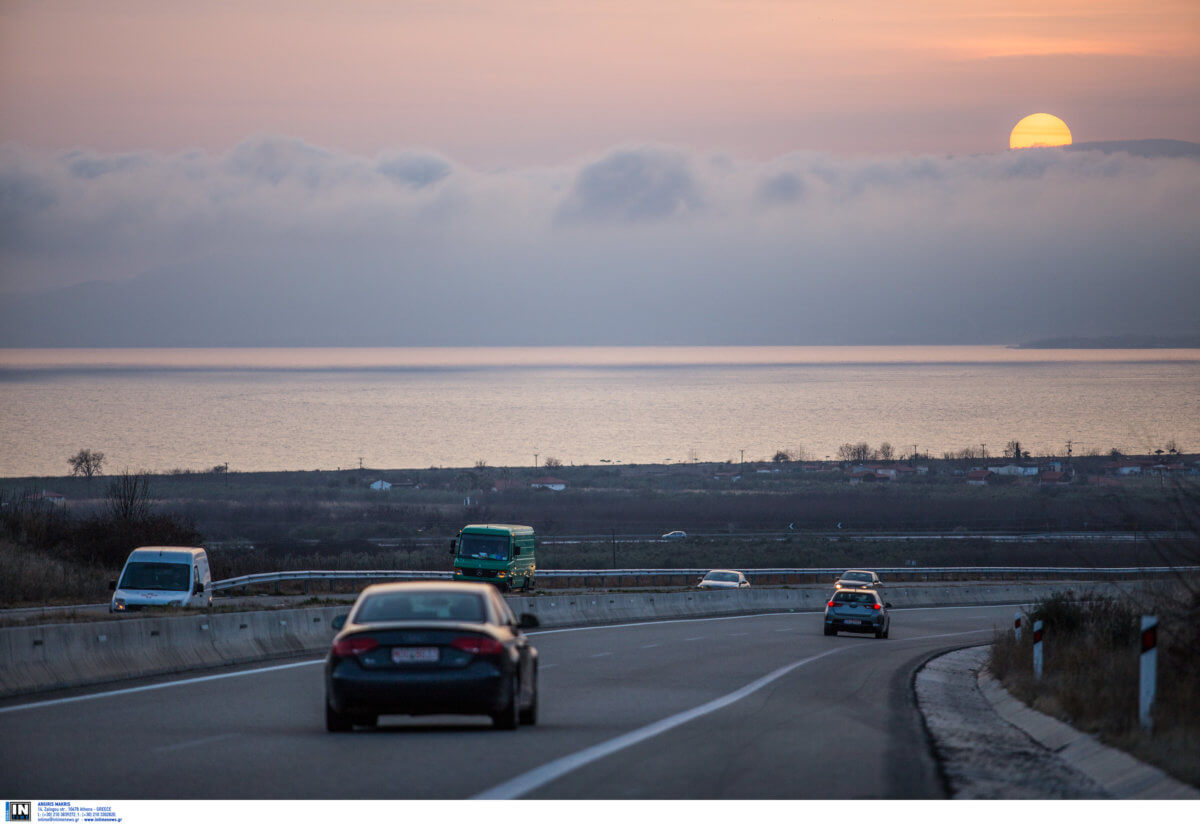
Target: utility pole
[742,463]
[360,465]
[614,548]
[535,457]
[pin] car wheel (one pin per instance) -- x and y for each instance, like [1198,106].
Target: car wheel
[830,631]
[336,721]
[880,633]
[367,720]
[509,715]
[529,714]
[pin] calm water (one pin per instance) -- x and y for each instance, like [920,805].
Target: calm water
[261,409]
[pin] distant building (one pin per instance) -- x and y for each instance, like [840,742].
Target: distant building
[556,484]
[978,477]
[1054,478]
[381,486]
[727,476]
[1015,470]
[52,498]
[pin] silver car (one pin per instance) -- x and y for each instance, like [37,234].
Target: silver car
[857,579]
[857,610]
[723,579]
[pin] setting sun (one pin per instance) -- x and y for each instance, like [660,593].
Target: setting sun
[1039,129]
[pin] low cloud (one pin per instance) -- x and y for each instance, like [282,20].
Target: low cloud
[278,242]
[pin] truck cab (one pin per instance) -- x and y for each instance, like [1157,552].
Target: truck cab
[501,554]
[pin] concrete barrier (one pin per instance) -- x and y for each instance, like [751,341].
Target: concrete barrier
[59,656]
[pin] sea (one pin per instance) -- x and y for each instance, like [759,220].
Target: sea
[162,410]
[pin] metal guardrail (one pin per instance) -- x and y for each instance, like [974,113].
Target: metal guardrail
[813,572]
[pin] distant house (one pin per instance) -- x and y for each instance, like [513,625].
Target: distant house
[1015,470]
[727,476]
[507,485]
[1053,478]
[52,498]
[381,486]
[557,484]
[865,476]
[978,477]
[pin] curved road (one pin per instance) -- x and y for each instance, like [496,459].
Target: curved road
[747,707]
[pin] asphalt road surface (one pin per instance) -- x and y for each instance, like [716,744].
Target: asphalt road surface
[757,707]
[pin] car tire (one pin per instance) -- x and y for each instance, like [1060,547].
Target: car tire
[880,634]
[529,715]
[509,716]
[367,720]
[336,721]
[830,631]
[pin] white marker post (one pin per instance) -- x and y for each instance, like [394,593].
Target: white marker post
[1017,626]
[1146,683]
[1037,650]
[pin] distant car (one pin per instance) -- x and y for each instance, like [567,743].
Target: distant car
[853,578]
[676,535]
[723,579]
[857,610]
[431,647]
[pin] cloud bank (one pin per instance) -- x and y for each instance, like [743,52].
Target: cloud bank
[278,242]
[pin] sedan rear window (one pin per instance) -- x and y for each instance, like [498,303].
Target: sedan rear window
[856,576]
[724,577]
[421,606]
[854,598]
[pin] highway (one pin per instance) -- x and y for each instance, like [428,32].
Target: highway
[747,707]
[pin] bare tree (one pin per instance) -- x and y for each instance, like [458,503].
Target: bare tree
[128,497]
[781,457]
[86,463]
[886,452]
[551,462]
[860,451]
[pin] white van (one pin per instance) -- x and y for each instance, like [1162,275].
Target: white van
[163,576]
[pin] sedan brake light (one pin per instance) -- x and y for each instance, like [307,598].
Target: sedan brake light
[877,606]
[354,645]
[477,645]
[829,604]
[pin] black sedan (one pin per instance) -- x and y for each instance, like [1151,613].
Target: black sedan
[430,648]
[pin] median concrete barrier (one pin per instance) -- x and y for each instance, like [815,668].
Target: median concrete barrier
[58,656]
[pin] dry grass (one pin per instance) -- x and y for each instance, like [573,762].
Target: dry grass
[1090,663]
[33,578]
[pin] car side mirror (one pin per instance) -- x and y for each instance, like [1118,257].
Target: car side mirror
[112,585]
[339,621]
[199,587]
[516,551]
[886,604]
[528,621]
[453,545]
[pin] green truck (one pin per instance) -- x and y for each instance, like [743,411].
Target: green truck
[500,554]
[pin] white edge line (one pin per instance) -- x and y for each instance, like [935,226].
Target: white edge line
[553,770]
[203,678]
[129,690]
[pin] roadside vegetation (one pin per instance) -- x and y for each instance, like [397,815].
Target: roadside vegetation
[1090,671]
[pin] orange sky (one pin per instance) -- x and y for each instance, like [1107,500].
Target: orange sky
[535,80]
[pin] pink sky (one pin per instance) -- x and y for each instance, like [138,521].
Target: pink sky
[526,81]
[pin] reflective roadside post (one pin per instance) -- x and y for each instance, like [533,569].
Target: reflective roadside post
[1017,626]
[1149,670]
[1037,650]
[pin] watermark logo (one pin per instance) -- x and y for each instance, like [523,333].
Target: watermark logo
[18,811]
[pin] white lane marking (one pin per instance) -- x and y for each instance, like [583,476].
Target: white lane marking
[546,666]
[736,634]
[697,638]
[650,646]
[540,776]
[788,629]
[600,655]
[129,690]
[183,745]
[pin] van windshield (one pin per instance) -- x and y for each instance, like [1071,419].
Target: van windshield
[488,547]
[156,575]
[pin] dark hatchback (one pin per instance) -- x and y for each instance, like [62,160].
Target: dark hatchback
[431,648]
[857,610]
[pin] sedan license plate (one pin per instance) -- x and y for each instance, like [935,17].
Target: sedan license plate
[414,655]
[852,621]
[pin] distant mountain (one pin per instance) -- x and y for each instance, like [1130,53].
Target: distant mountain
[1141,148]
[1117,342]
